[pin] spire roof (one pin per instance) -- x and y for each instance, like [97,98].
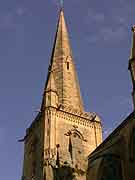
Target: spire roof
[63,68]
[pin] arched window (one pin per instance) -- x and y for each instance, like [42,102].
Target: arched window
[67,65]
[76,148]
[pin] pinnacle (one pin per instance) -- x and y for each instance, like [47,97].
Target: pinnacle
[132,56]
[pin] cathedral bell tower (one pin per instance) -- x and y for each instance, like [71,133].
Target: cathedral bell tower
[63,134]
[132,64]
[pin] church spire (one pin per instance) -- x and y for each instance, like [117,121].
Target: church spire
[132,63]
[63,68]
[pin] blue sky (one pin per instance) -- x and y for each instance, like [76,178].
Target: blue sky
[100,33]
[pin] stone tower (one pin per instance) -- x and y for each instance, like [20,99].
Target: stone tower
[132,64]
[63,134]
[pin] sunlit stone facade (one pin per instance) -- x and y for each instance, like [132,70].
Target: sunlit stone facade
[59,140]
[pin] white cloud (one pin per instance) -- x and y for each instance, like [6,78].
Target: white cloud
[92,39]
[20,11]
[120,19]
[110,24]
[56,2]
[6,20]
[108,34]
[93,16]
[123,14]
[2,135]
[107,132]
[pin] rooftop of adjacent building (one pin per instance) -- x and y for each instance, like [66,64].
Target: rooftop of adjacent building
[128,119]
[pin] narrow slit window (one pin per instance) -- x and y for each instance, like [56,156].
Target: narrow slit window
[67,65]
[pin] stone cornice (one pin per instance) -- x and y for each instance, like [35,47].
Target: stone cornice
[82,118]
[76,118]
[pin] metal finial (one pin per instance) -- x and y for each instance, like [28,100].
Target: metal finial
[61,4]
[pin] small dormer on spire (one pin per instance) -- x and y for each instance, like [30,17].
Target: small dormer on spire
[50,94]
[51,84]
[132,63]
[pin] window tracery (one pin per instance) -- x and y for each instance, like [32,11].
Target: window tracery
[76,147]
